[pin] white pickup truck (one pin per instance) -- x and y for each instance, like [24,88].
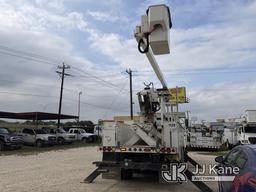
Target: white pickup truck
[62,136]
[37,137]
[81,135]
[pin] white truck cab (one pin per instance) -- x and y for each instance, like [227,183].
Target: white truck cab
[98,130]
[61,135]
[246,133]
[37,137]
[82,135]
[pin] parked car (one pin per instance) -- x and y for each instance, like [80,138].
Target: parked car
[61,135]
[82,135]
[8,139]
[242,157]
[38,137]
[98,130]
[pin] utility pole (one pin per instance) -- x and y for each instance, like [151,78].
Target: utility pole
[80,93]
[62,75]
[131,100]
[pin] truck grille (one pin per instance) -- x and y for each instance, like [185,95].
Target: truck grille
[252,140]
[16,139]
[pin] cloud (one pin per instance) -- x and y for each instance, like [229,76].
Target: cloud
[29,17]
[106,16]
[224,100]
[21,78]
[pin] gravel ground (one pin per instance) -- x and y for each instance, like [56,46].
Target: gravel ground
[65,170]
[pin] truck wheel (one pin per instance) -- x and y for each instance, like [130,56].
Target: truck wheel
[84,140]
[1,145]
[61,141]
[39,143]
[183,155]
[227,145]
[126,174]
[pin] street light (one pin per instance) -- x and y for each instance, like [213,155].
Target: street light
[80,93]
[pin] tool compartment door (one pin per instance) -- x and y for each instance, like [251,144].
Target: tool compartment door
[109,134]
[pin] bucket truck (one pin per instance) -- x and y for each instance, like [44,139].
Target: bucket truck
[157,141]
[246,130]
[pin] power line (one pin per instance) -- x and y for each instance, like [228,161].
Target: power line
[115,99]
[38,58]
[51,96]
[43,59]
[97,78]
[26,53]
[29,58]
[202,69]
[26,94]
[195,72]
[46,85]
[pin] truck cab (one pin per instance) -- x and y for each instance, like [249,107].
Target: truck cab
[38,137]
[62,136]
[8,139]
[82,135]
[98,130]
[246,133]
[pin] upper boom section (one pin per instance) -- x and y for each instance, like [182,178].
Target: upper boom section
[153,36]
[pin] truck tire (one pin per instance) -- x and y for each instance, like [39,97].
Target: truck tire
[1,145]
[61,141]
[39,143]
[84,140]
[126,174]
[183,155]
[227,145]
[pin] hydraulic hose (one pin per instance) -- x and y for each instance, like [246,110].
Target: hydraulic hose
[140,45]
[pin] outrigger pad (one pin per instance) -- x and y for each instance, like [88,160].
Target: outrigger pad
[95,174]
[192,161]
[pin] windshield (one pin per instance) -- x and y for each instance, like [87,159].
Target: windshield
[4,130]
[98,128]
[82,131]
[60,130]
[250,129]
[40,131]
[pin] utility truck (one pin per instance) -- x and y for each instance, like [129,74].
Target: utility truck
[157,141]
[246,131]
[229,138]
[206,136]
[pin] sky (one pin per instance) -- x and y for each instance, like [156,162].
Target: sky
[213,54]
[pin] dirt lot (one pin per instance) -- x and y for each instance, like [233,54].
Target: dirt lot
[65,169]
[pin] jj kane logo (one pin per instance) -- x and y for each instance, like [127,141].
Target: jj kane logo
[174,172]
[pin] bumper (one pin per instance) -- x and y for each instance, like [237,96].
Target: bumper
[13,145]
[70,140]
[49,143]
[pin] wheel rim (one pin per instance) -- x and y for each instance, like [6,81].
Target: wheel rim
[39,144]
[60,141]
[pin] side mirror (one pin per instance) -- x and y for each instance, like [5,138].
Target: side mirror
[219,159]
